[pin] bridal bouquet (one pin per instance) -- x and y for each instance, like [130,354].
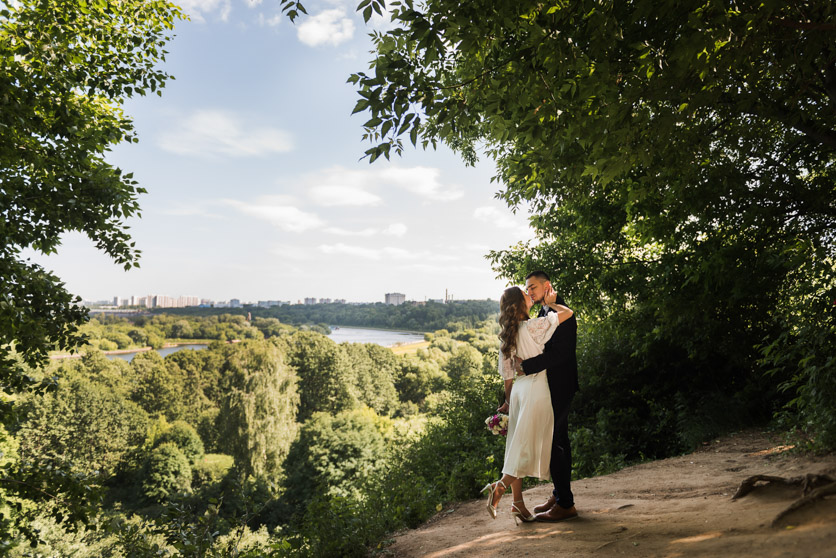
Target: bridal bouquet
[497,424]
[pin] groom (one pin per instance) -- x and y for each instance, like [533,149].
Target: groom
[561,366]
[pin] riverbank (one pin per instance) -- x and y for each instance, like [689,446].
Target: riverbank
[414,332]
[384,337]
[178,343]
[676,507]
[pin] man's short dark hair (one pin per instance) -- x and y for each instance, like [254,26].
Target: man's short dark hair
[541,275]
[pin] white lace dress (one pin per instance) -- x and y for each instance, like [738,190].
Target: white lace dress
[528,446]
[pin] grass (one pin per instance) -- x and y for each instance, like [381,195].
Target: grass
[409,348]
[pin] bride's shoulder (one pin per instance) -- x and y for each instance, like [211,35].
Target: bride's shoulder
[541,321]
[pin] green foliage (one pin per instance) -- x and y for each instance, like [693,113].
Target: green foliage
[45,489]
[427,317]
[272,327]
[82,424]
[166,473]
[8,461]
[210,469]
[207,430]
[158,386]
[464,365]
[418,378]
[678,161]
[325,377]
[184,436]
[450,461]
[375,369]
[332,528]
[182,530]
[332,457]
[257,418]
[458,444]
[68,67]
[55,540]
[803,355]
[201,375]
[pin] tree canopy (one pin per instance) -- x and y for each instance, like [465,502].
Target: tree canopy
[677,158]
[66,67]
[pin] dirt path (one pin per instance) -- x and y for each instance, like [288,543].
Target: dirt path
[675,507]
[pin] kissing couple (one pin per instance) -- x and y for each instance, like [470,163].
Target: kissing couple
[540,352]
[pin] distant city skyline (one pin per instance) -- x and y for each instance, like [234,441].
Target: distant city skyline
[256,189]
[185,301]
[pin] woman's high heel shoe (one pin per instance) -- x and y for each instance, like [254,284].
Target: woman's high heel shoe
[517,514]
[491,488]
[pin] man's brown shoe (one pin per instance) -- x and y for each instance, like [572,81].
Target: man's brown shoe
[556,513]
[544,507]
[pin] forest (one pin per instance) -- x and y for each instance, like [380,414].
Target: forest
[285,443]
[677,163]
[419,317]
[260,447]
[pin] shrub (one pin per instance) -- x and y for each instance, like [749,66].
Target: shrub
[122,340]
[107,345]
[84,424]
[331,454]
[184,436]
[166,473]
[207,429]
[803,360]
[211,468]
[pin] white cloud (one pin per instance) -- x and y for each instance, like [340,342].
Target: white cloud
[292,252]
[443,270]
[396,229]
[346,232]
[184,210]
[332,195]
[483,248]
[359,251]
[269,21]
[275,211]
[327,27]
[207,133]
[422,181]
[503,220]
[197,9]
[385,253]
[357,185]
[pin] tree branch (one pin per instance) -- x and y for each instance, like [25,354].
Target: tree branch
[829,81]
[776,111]
[805,25]
[517,56]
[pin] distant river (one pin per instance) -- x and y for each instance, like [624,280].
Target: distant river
[165,351]
[382,337]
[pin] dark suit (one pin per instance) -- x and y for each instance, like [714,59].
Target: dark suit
[561,365]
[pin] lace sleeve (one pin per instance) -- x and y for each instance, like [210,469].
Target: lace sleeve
[505,368]
[541,329]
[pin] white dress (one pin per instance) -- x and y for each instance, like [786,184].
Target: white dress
[528,446]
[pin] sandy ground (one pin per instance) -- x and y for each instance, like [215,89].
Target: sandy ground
[670,508]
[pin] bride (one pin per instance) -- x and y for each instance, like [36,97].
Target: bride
[530,417]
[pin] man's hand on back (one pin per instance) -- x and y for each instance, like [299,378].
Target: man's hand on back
[516,362]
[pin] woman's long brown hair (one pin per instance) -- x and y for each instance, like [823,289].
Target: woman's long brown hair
[512,310]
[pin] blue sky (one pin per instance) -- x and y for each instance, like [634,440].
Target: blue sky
[255,185]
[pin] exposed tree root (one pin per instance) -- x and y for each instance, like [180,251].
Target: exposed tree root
[813,487]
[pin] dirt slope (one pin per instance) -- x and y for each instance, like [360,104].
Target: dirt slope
[674,507]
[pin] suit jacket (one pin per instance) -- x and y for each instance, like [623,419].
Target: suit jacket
[559,357]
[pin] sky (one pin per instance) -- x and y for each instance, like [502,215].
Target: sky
[256,187]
